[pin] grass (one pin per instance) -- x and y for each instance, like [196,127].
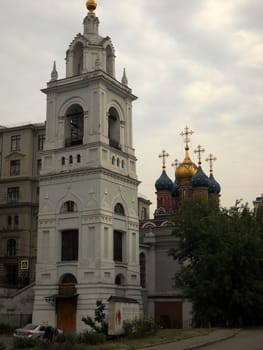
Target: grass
[162,336]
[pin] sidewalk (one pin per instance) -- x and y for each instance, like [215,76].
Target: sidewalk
[198,342]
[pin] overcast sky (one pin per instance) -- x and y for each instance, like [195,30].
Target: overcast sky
[190,62]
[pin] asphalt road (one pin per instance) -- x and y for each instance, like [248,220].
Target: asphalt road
[245,340]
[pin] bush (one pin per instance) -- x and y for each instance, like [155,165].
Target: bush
[93,338]
[24,342]
[140,327]
[5,328]
[60,338]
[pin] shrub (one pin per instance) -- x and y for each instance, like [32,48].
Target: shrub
[24,342]
[140,327]
[99,324]
[93,338]
[60,338]
[71,338]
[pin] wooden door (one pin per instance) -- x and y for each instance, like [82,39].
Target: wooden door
[66,314]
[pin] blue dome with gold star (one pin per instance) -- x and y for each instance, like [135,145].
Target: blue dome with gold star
[164,183]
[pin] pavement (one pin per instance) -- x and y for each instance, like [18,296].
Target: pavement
[198,342]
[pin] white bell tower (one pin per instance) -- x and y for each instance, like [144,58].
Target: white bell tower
[88,239]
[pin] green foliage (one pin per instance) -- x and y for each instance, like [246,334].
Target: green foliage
[220,251]
[5,329]
[140,327]
[24,342]
[71,338]
[92,338]
[99,324]
[60,338]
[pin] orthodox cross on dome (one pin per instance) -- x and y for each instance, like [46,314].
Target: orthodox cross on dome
[175,163]
[211,159]
[91,5]
[199,150]
[186,133]
[163,155]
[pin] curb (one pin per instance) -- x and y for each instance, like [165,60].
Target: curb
[211,342]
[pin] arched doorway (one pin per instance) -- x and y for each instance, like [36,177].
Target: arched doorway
[66,303]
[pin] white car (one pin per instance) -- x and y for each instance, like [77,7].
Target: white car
[32,331]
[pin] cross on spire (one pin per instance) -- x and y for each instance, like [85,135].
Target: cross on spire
[199,150]
[163,155]
[175,163]
[211,160]
[187,134]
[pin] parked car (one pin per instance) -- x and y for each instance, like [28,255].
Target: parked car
[33,331]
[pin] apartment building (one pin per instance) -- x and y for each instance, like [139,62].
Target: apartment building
[20,164]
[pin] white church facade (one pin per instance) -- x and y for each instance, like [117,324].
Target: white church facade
[88,231]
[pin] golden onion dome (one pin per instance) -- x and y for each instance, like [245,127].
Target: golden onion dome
[186,170]
[91,5]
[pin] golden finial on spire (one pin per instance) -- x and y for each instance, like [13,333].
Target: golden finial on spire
[211,159]
[163,155]
[91,5]
[199,150]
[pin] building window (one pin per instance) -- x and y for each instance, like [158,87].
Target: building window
[143,270]
[118,209]
[70,244]
[78,158]
[63,160]
[14,167]
[9,222]
[70,159]
[41,141]
[13,194]
[16,221]
[11,247]
[74,126]
[118,246]
[15,143]
[39,166]
[114,128]
[68,207]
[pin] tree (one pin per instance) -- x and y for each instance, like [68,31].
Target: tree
[221,257]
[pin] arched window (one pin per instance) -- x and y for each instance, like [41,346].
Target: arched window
[78,158]
[68,207]
[118,162]
[63,161]
[118,209]
[74,122]
[109,61]
[11,247]
[113,160]
[78,59]
[114,128]
[119,280]
[122,164]
[68,278]
[143,270]
[70,159]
